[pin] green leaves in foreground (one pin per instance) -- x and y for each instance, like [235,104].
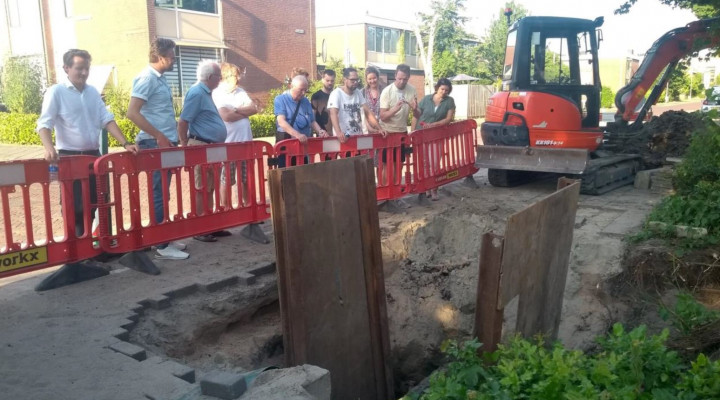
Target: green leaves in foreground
[627,365]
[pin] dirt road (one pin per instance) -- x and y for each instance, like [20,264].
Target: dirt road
[62,344]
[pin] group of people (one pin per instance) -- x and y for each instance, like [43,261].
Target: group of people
[216,109]
[348,111]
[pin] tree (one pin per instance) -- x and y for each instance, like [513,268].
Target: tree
[679,82]
[445,45]
[697,88]
[492,50]
[701,8]
[22,85]
[426,51]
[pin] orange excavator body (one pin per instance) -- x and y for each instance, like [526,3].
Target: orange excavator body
[547,117]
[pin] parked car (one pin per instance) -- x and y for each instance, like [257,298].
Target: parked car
[712,101]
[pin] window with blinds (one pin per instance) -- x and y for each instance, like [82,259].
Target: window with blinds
[187,59]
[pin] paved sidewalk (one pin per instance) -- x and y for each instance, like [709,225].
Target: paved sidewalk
[13,152]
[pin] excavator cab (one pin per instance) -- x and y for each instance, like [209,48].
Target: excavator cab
[551,85]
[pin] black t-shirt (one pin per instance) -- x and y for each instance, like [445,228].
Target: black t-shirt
[319,102]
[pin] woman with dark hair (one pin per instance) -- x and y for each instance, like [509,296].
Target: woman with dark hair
[437,109]
[372,91]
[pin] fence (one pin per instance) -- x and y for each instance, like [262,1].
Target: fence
[44,233]
[193,199]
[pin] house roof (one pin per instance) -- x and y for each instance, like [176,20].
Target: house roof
[356,19]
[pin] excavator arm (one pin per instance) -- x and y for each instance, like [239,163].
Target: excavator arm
[667,51]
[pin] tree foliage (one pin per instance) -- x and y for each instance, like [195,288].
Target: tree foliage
[445,44]
[492,50]
[701,8]
[22,85]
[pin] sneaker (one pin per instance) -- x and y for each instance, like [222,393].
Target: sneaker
[177,245]
[171,253]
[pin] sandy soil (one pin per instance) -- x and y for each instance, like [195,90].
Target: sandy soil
[57,344]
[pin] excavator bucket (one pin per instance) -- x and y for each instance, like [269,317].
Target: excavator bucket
[563,161]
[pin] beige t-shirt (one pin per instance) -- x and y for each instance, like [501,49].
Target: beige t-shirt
[388,98]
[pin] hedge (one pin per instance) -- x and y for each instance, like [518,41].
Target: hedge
[16,128]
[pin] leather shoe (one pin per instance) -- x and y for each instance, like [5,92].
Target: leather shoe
[222,233]
[205,238]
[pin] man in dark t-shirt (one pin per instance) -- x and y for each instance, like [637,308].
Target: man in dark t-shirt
[320,98]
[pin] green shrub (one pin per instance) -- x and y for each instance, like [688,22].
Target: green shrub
[627,365]
[17,128]
[117,99]
[128,128]
[701,162]
[696,202]
[22,84]
[688,313]
[269,108]
[262,125]
[607,98]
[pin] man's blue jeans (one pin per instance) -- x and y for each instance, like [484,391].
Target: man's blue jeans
[157,185]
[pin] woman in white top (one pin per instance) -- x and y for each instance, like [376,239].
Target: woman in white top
[235,108]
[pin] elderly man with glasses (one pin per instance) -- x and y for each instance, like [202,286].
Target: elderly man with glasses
[294,114]
[200,124]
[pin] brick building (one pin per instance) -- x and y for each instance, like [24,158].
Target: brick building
[269,37]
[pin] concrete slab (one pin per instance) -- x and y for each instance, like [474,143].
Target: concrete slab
[225,385]
[625,223]
[129,350]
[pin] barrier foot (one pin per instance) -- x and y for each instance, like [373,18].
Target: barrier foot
[140,262]
[254,233]
[72,273]
[469,181]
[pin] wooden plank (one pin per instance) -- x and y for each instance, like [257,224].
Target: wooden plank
[330,274]
[535,261]
[374,277]
[488,316]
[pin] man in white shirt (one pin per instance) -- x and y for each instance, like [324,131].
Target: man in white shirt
[345,106]
[77,113]
[397,101]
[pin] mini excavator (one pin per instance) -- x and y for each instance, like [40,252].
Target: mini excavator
[546,119]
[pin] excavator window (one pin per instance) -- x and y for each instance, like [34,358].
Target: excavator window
[509,56]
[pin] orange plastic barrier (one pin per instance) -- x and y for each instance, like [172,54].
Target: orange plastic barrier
[442,154]
[392,173]
[130,193]
[37,232]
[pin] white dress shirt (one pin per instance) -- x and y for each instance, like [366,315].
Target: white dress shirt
[77,117]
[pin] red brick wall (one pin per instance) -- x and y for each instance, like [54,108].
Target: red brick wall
[418,82]
[261,35]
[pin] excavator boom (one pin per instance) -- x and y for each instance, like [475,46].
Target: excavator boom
[667,51]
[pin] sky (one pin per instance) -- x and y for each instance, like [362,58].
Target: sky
[636,31]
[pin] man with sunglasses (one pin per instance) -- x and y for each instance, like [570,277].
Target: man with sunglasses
[346,105]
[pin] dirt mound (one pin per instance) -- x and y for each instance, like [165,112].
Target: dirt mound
[665,136]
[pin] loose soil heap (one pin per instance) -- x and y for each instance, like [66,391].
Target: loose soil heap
[667,135]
